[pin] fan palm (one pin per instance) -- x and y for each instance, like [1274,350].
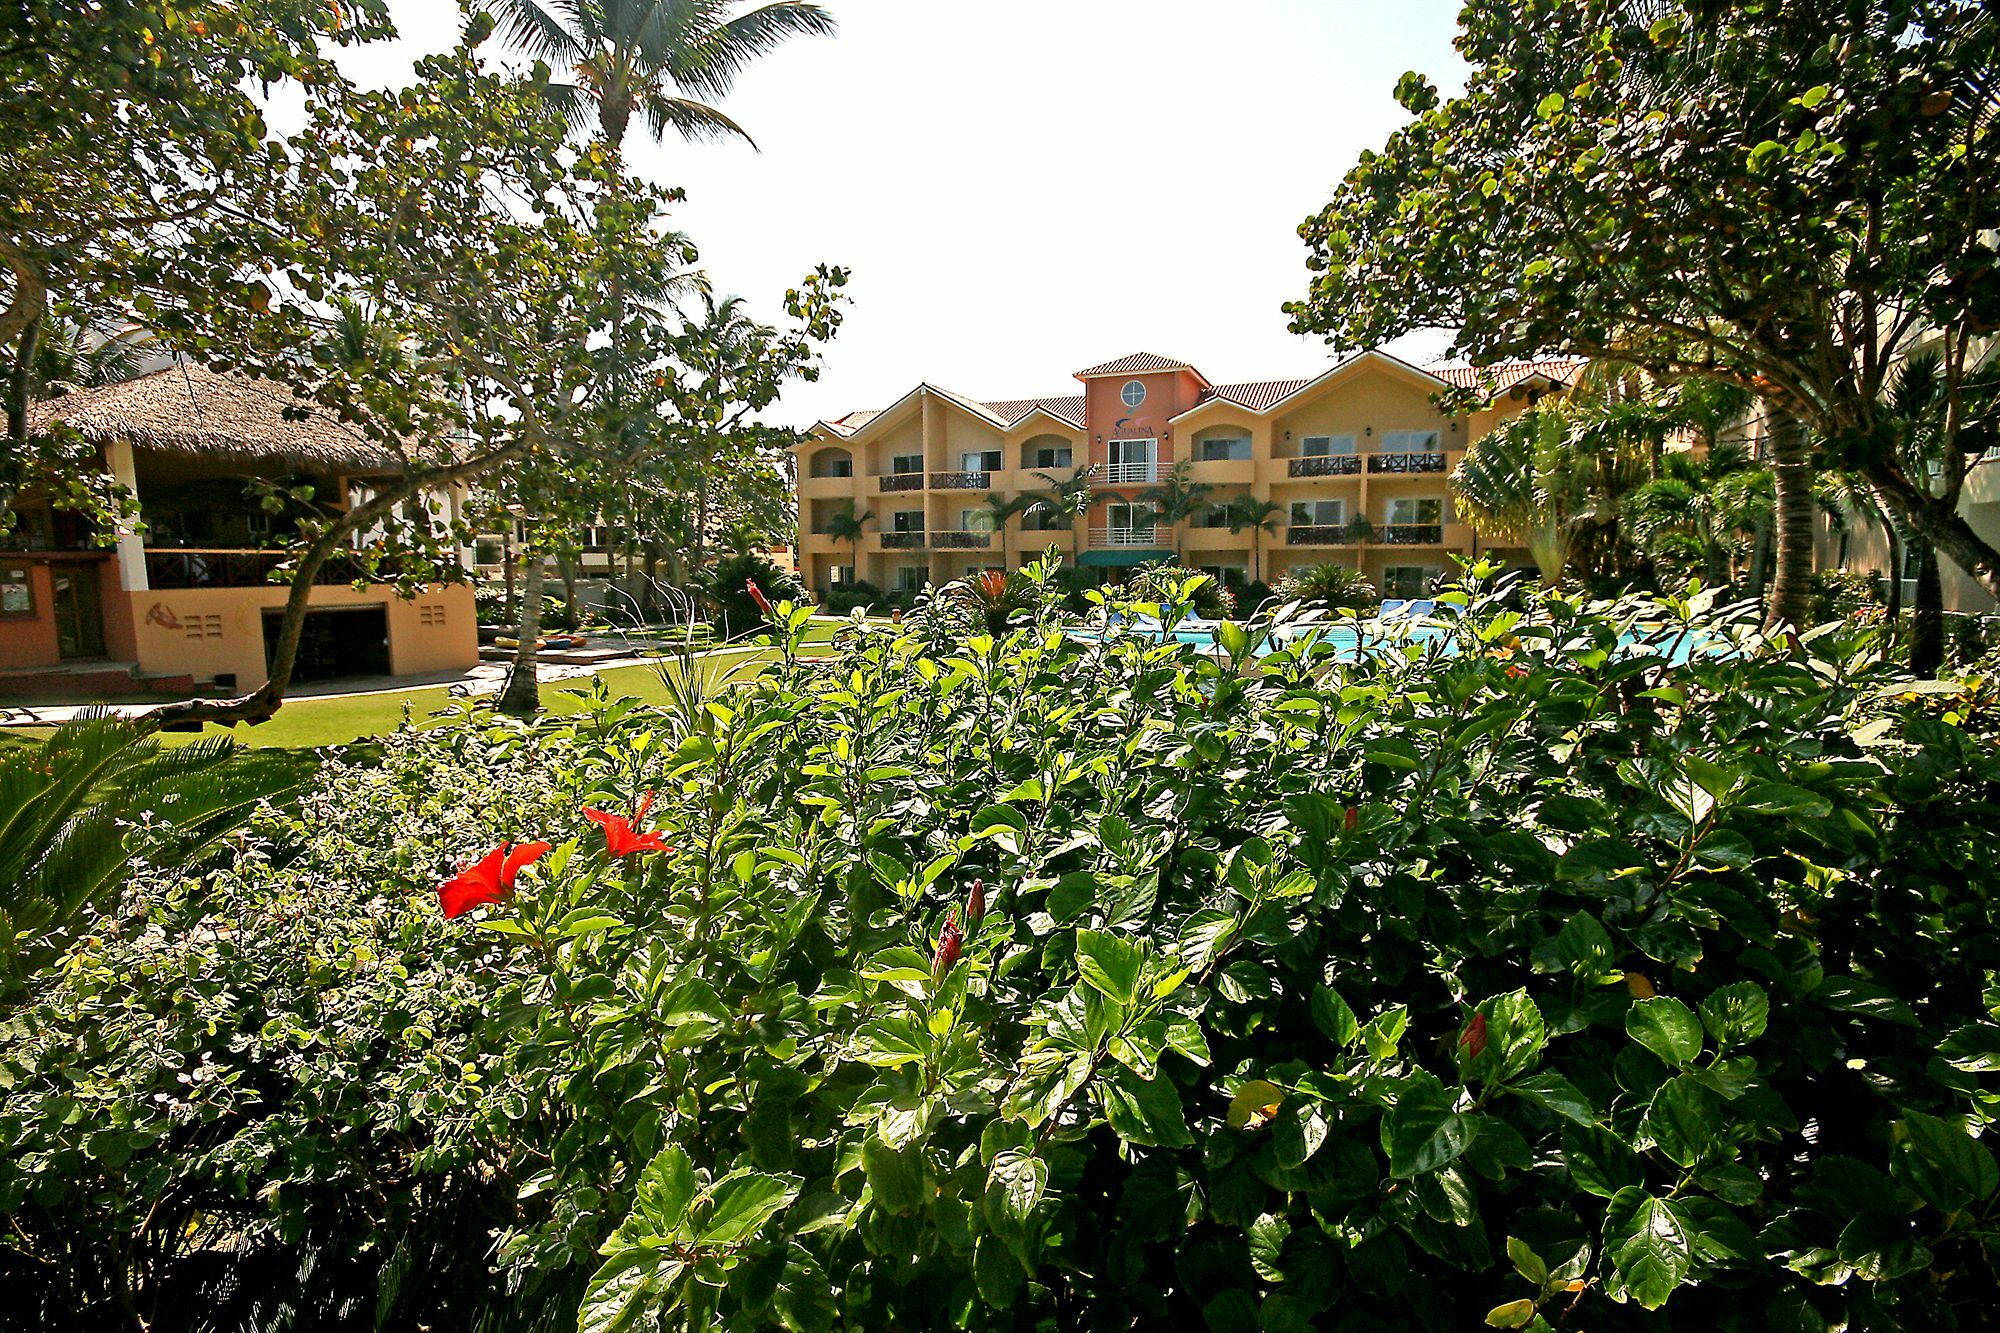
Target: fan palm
[1521,483]
[653,58]
[78,810]
[1694,512]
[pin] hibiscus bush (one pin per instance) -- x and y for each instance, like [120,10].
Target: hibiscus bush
[1035,981]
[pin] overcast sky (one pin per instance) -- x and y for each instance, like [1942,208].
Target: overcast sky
[1023,188]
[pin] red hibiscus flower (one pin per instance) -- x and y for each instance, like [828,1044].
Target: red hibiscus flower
[951,943]
[757,596]
[1352,819]
[1473,1040]
[489,879]
[620,838]
[975,904]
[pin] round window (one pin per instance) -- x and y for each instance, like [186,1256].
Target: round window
[1134,393]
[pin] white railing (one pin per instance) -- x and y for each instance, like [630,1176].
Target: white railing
[1123,536]
[1129,474]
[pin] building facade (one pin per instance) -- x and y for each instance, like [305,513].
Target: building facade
[1355,460]
[187,598]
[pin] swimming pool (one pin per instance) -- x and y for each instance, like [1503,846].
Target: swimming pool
[1349,641]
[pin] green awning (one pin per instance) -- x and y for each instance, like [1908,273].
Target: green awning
[1118,559]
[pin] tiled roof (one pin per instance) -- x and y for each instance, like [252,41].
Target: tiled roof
[1067,409]
[1139,363]
[1255,395]
[1499,378]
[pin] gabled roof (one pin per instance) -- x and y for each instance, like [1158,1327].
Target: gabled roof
[1067,409]
[191,410]
[1265,396]
[1497,379]
[1006,413]
[1139,363]
[1255,394]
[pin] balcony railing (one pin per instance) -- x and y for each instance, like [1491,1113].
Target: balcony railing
[1410,534]
[961,481]
[1124,536]
[903,481]
[172,568]
[1326,465]
[903,541]
[1406,462]
[1318,534]
[1128,474]
[961,540]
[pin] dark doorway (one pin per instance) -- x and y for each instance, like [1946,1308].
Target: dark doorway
[79,614]
[336,642]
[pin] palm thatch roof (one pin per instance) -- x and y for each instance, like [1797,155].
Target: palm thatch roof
[198,413]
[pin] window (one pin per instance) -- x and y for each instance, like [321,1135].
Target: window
[1409,442]
[985,460]
[1409,580]
[1318,513]
[975,520]
[904,464]
[1049,456]
[909,578]
[1133,394]
[1325,446]
[833,463]
[1132,461]
[1044,518]
[1225,449]
[840,576]
[907,520]
[17,590]
[1212,516]
[1416,511]
[1229,576]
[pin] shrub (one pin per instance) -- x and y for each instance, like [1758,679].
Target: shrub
[1058,982]
[1838,594]
[724,587]
[860,593]
[1187,591]
[1329,587]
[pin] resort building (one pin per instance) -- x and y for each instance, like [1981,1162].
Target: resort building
[186,598]
[1355,461]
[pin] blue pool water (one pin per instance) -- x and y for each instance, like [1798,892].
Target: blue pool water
[1348,643]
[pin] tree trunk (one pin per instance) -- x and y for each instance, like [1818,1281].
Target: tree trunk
[1927,619]
[1892,530]
[523,695]
[566,566]
[1790,602]
[1939,523]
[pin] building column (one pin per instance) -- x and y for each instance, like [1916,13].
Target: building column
[119,463]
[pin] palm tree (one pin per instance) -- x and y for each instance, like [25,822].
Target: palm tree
[656,58]
[1260,516]
[1176,499]
[1519,483]
[1694,512]
[847,524]
[1070,496]
[653,58]
[86,354]
[1000,511]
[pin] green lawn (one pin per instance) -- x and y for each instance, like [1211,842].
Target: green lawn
[306,724]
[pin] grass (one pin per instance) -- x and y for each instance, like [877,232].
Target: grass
[310,724]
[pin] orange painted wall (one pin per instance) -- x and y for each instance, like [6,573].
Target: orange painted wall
[30,641]
[202,631]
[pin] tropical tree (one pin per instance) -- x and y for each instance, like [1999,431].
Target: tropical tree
[1071,497]
[1779,194]
[1176,499]
[87,353]
[1331,586]
[1000,510]
[848,524]
[655,58]
[1260,517]
[1522,483]
[1695,514]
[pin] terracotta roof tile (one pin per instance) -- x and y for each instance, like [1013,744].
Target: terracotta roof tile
[1255,394]
[1497,379]
[1067,409]
[1139,363]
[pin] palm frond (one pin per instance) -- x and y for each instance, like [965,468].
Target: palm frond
[692,120]
[709,65]
[561,32]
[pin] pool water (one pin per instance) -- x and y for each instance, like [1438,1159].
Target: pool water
[1348,643]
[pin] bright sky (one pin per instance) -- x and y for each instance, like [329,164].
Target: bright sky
[1023,188]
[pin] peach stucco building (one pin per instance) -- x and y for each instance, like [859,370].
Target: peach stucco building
[1356,459]
[187,600]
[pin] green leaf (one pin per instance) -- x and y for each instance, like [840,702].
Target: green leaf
[1110,964]
[1650,1243]
[1683,1122]
[1941,1163]
[1777,798]
[1014,1186]
[896,1176]
[1514,1314]
[1423,1132]
[1526,1262]
[744,1201]
[1667,1028]
[1144,1111]
[890,1042]
[1551,106]
[1333,1017]
[586,921]
[1736,1014]
[665,1189]
[625,1288]
[1204,937]
[1599,1161]
[1863,999]
[1585,947]
[1515,1031]
[1974,1048]
[1553,1092]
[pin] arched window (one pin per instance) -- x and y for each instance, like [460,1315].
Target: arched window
[833,463]
[1047,453]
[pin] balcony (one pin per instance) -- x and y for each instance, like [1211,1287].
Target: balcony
[950,540]
[1325,465]
[1124,536]
[961,481]
[903,541]
[1410,534]
[1406,462]
[903,481]
[1128,474]
[1319,534]
[206,568]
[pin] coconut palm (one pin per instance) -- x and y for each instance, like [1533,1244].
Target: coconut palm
[653,58]
[1176,499]
[847,524]
[1695,512]
[86,354]
[1000,511]
[1260,517]
[1069,496]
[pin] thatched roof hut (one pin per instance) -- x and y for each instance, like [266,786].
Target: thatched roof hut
[197,413]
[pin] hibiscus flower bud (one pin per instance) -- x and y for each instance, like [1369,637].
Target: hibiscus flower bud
[975,904]
[1473,1040]
[757,596]
[951,943]
[1353,819]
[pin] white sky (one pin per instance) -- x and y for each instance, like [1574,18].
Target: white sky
[1023,188]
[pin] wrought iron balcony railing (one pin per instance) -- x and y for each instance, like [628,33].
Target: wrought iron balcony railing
[205,568]
[1326,465]
[961,481]
[903,481]
[1410,534]
[1406,462]
[961,540]
[903,541]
